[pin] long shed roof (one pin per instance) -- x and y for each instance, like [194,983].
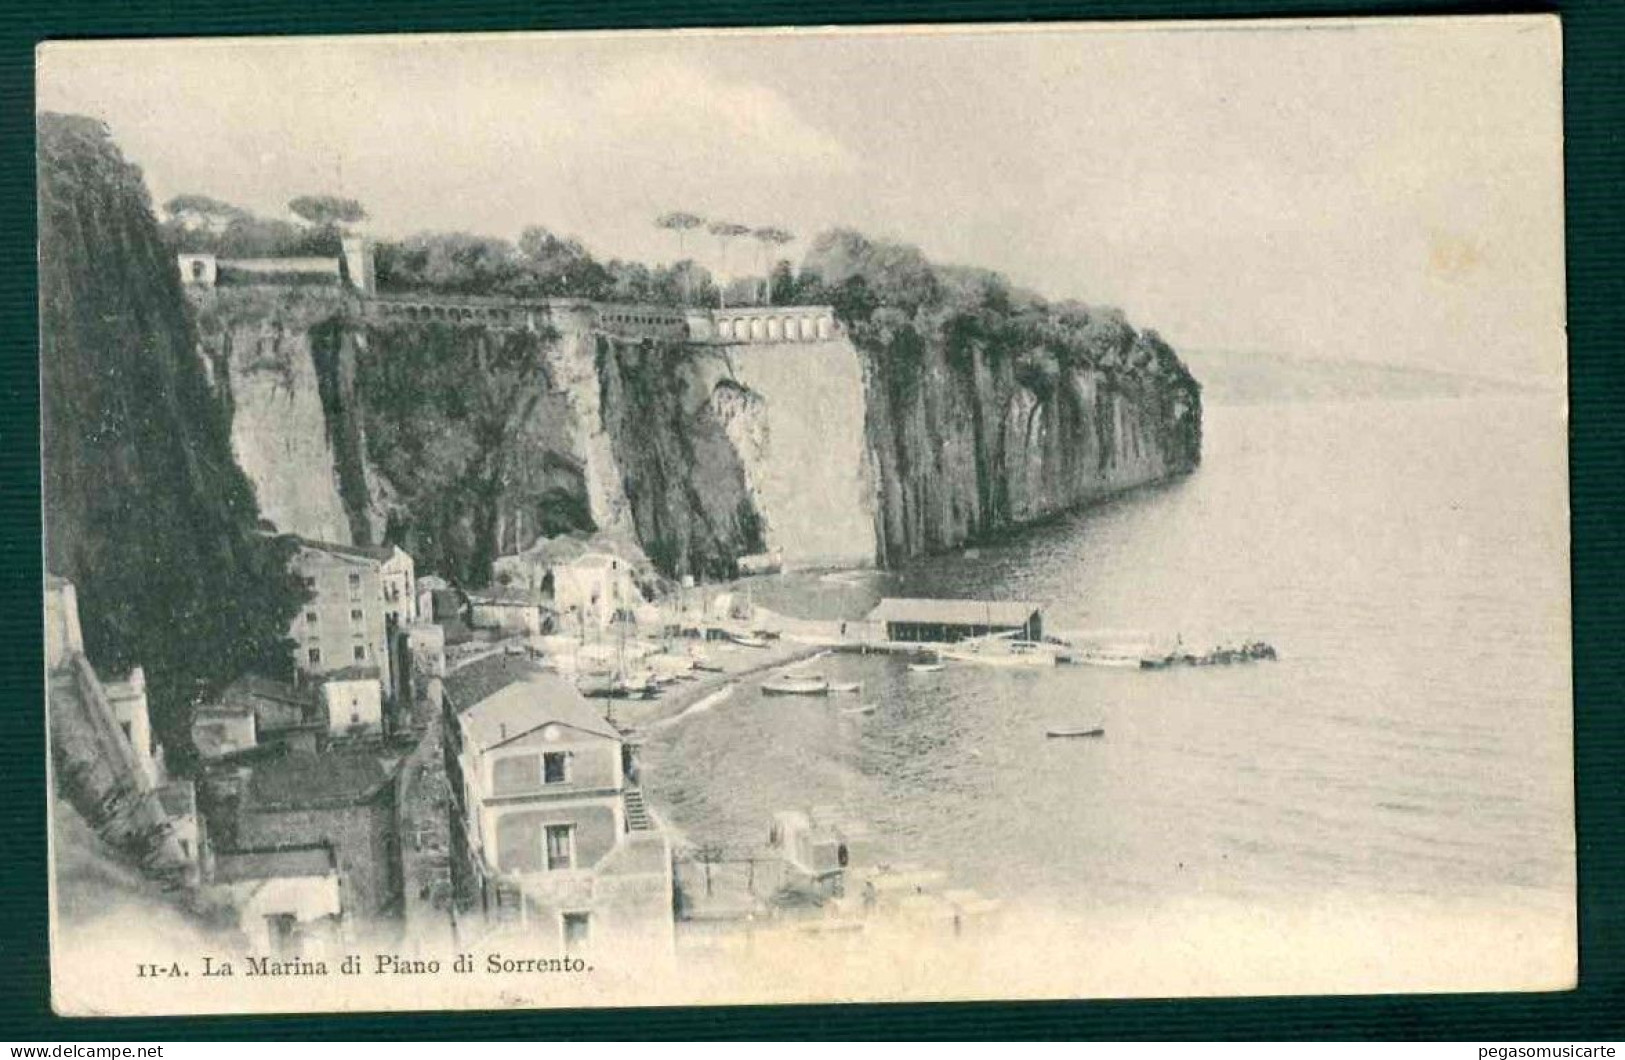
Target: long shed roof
[954,612]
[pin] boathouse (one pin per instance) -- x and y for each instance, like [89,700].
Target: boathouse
[947,621]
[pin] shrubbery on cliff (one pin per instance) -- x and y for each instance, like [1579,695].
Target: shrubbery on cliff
[881,290]
[145,508]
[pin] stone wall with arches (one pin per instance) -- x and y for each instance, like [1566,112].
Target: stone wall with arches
[774,324]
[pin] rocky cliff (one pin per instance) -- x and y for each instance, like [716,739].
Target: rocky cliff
[145,509]
[831,453]
[968,441]
[904,430]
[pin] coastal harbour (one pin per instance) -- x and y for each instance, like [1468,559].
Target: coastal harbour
[1377,755]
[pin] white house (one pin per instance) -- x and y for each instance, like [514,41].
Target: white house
[545,820]
[353,701]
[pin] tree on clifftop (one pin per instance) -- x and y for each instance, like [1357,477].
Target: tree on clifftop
[681,222]
[203,211]
[766,240]
[145,509]
[327,210]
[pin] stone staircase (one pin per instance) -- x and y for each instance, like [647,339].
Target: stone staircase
[637,811]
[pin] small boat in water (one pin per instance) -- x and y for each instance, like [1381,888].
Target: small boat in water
[867,708]
[926,667]
[796,686]
[1061,733]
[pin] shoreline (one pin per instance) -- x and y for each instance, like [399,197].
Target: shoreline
[636,716]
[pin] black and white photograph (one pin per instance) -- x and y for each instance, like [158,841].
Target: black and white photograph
[931,513]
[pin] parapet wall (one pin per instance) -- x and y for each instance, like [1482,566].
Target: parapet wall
[753,324]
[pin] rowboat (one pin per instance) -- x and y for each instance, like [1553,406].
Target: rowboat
[796,686]
[867,708]
[926,668]
[747,640]
[846,686]
[1060,733]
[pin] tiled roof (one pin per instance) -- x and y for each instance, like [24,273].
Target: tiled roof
[507,594]
[178,799]
[503,697]
[251,686]
[278,863]
[352,673]
[304,781]
[375,553]
[954,612]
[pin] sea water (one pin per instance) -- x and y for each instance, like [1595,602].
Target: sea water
[1408,560]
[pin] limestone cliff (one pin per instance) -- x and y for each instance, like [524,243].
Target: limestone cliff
[967,442]
[871,442]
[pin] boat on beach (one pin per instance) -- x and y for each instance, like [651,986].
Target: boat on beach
[867,708]
[747,640]
[1056,734]
[846,687]
[810,685]
[926,668]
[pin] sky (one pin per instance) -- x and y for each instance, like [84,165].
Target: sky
[1384,190]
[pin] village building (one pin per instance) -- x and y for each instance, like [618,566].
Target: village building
[344,800]
[584,585]
[360,597]
[179,801]
[946,621]
[106,761]
[596,586]
[426,647]
[129,700]
[352,701]
[508,609]
[223,729]
[256,711]
[353,267]
[289,900]
[427,587]
[549,832]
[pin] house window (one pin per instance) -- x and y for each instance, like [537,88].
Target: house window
[186,849]
[514,774]
[355,586]
[561,844]
[283,931]
[356,614]
[577,931]
[314,655]
[555,767]
[311,616]
[360,653]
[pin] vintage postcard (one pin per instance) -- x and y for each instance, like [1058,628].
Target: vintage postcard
[676,518]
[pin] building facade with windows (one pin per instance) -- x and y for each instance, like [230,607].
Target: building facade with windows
[548,831]
[360,596]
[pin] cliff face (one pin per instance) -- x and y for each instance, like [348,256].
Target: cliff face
[145,509]
[463,441]
[257,349]
[966,443]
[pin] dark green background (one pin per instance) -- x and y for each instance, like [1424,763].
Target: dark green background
[1594,78]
